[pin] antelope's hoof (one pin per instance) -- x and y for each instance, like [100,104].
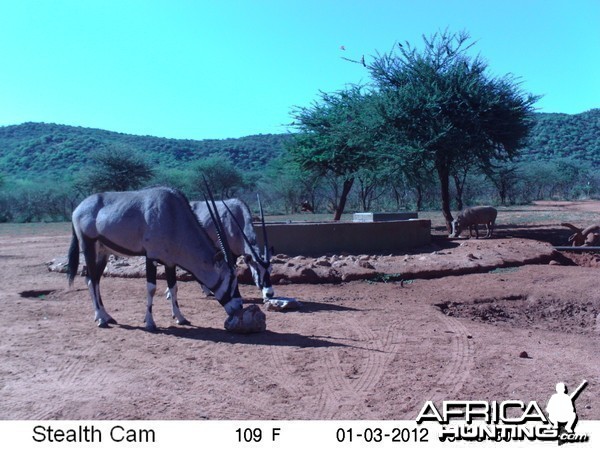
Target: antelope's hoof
[103,323]
[112,321]
[183,322]
[151,328]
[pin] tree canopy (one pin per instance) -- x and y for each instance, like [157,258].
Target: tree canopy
[430,110]
[336,137]
[220,173]
[443,111]
[431,119]
[115,170]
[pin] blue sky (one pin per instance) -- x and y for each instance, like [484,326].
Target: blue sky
[218,69]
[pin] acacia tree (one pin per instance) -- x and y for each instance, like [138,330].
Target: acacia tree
[504,177]
[222,176]
[284,182]
[115,169]
[442,104]
[336,138]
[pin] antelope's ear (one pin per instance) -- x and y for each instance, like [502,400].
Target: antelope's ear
[219,257]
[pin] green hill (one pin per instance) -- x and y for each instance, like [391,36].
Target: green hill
[42,168]
[575,136]
[33,149]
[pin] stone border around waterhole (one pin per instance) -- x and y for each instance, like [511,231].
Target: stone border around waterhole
[447,258]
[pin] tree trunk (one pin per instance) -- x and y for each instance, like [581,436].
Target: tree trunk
[459,183]
[397,197]
[444,177]
[459,192]
[502,192]
[419,201]
[342,203]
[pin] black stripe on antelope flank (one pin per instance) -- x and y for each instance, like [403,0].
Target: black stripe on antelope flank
[117,248]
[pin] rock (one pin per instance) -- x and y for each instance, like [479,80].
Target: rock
[248,320]
[57,265]
[323,262]
[366,265]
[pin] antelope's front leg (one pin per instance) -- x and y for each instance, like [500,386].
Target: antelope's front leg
[171,274]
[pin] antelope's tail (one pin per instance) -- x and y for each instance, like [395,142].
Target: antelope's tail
[73,263]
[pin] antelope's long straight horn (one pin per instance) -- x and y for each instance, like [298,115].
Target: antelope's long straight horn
[257,257]
[265,239]
[214,214]
[214,219]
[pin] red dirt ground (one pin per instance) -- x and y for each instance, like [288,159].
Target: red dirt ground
[356,350]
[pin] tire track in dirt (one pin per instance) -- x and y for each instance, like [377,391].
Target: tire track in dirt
[71,371]
[232,410]
[283,371]
[339,390]
[452,379]
[343,393]
[459,371]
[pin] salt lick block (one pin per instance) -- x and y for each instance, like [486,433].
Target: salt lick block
[248,320]
[282,303]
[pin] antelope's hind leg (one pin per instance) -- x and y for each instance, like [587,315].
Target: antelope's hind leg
[96,260]
[171,274]
[151,287]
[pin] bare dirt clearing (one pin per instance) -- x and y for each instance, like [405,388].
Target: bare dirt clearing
[356,350]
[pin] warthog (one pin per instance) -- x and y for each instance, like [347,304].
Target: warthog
[471,217]
[587,237]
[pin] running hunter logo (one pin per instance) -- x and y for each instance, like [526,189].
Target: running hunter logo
[510,420]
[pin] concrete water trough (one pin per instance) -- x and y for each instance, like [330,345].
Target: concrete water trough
[383,217]
[353,238]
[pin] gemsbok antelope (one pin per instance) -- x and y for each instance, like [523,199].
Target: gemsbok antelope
[237,224]
[157,223]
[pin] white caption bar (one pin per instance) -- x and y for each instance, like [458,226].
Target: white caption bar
[246,435]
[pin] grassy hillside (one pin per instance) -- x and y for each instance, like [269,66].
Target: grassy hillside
[33,149]
[574,136]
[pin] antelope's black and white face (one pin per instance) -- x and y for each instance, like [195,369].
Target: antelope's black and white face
[226,291]
[261,274]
